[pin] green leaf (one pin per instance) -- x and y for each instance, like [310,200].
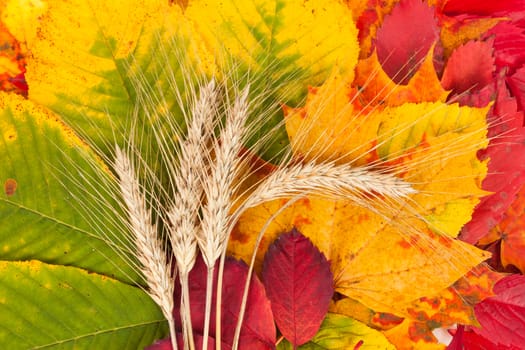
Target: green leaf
[56,307]
[103,64]
[41,210]
[340,332]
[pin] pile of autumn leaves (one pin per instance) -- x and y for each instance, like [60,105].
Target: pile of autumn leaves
[478,52]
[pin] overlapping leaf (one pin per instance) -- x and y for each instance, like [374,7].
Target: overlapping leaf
[100,68]
[60,307]
[258,330]
[341,332]
[40,208]
[431,146]
[295,272]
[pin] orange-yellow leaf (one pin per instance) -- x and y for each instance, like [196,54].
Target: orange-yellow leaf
[378,88]
[390,254]
[452,305]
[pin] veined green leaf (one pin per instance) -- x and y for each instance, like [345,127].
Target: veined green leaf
[56,307]
[340,332]
[41,204]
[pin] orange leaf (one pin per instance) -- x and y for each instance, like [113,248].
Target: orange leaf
[377,87]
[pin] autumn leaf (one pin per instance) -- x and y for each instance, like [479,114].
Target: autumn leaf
[506,152]
[341,332]
[421,150]
[454,305]
[92,310]
[294,274]
[510,230]
[258,329]
[472,7]
[469,73]
[12,63]
[401,48]
[501,317]
[86,63]
[376,88]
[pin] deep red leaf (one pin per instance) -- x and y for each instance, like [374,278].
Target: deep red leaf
[469,73]
[502,317]
[516,84]
[482,8]
[405,37]
[509,45]
[465,339]
[506,167]
[299,284]
[258,331]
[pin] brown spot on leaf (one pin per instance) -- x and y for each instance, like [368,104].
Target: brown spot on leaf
[10,187]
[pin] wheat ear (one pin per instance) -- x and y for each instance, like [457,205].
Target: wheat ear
[327,180]
[218,193]
[188,178]
[149,251]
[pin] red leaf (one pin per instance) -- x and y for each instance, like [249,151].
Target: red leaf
[469,74]
[401,48]
[258,329]
[516,84]
[506,168]
[482,8]
[509,45]
[468,340]
[299,283]
[502,317]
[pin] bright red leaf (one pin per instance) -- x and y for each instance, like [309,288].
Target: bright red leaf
[258,329]
[469,73]
[506,155]
[299,284]
[509,45]
[482,8]
[401,48]
[502,317]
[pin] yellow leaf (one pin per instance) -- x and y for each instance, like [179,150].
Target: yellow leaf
[21,17]
[385,254]
[269,35]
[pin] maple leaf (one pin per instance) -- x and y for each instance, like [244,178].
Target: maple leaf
[258,329]
[294,274]
[401,48]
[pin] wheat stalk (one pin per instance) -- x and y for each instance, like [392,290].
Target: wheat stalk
[149,251]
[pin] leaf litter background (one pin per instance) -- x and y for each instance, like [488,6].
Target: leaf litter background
[402,283]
